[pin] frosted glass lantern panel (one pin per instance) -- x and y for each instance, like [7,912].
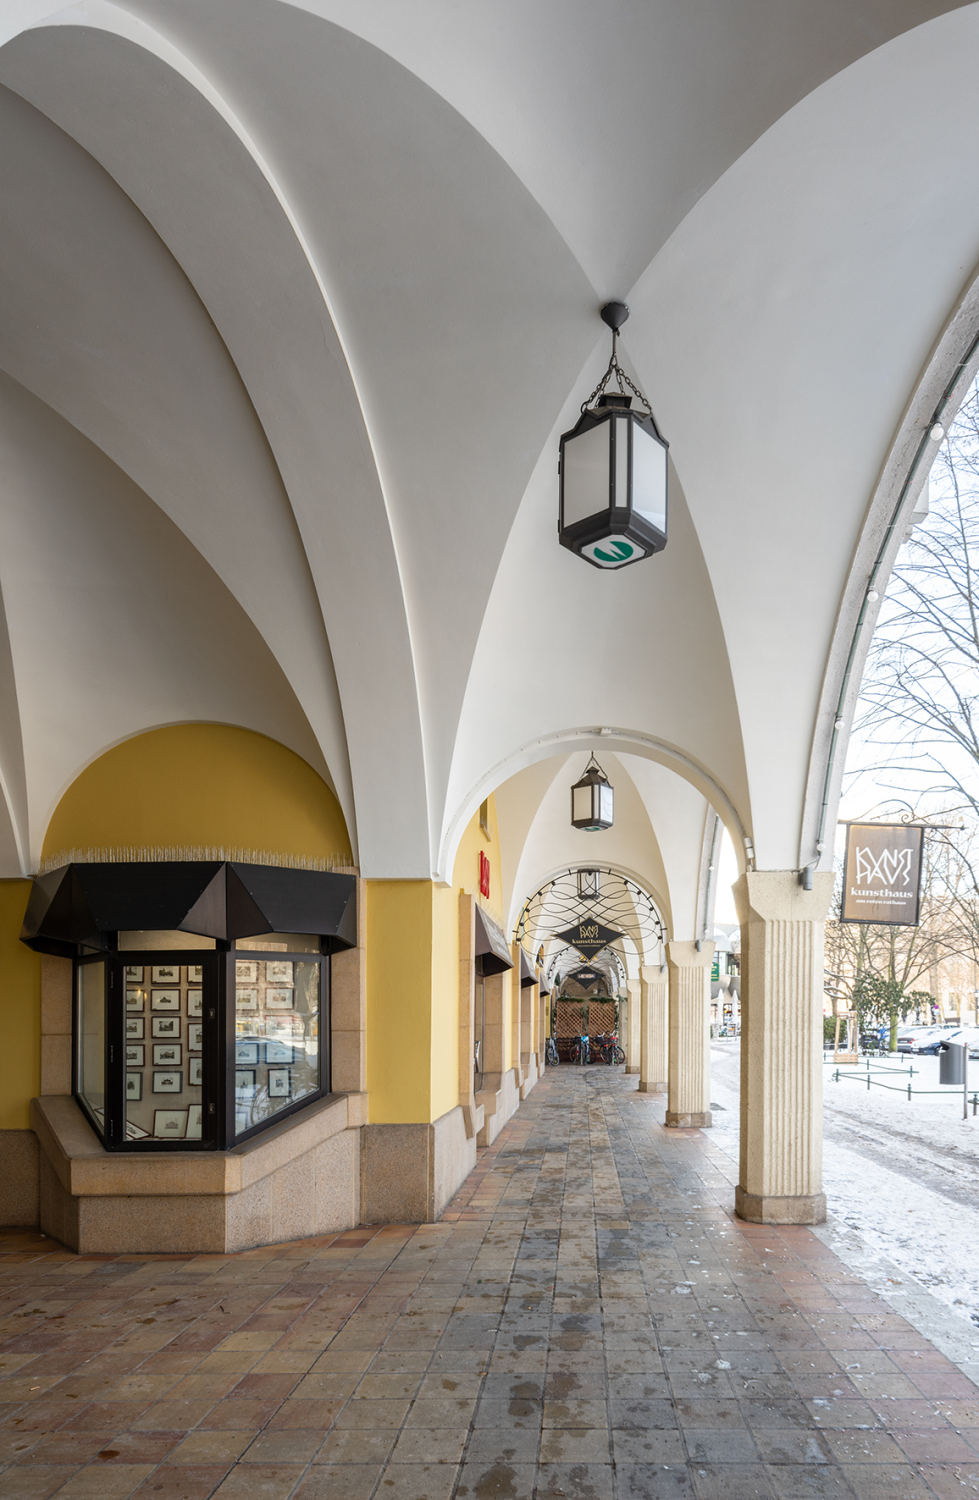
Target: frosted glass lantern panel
[580,803]
[649,478]
[586,474]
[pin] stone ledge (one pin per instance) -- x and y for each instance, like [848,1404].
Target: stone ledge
[85,1169]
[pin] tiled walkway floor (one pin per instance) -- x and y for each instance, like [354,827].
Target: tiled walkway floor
[587,1320]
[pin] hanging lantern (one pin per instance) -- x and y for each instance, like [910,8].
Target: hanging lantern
[588,883]
[591,799]
[613,467]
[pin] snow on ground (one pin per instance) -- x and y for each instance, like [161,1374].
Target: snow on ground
[902,1175]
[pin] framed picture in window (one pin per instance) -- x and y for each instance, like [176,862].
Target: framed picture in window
[134,973]
[244,1081]
[246,971]
[135,1026]
[134,999]
[170,1082]
[194,1123]
[166,1026]
[136,1132]
[279,1085]
[170,1124]
[135,1056]
[246,1052]
[165,1000]
[279,971]
[134,1086]
[278,1051]
[166,973]
[195,973]
[278,999]
[246,999]
[195,1072]
[167,1055]
[195,1036]
[195,1002]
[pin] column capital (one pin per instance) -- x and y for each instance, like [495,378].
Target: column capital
[776,895]
[653,973]
[687,956]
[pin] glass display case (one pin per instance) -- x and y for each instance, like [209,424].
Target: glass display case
[184,1040]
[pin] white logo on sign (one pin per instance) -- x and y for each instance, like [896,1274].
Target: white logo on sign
[888,867]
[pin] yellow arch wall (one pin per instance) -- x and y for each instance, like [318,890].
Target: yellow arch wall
[191,784]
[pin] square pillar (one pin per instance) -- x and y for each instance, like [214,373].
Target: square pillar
[654,1039]
[631,1041]
[780,1180]
[688,1104]
[467,1009]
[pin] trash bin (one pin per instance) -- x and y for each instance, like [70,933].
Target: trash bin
[951,1064]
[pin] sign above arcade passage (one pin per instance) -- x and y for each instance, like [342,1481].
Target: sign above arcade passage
[882,873]
[588,937]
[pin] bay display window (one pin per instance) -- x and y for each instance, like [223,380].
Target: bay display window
[187,1041]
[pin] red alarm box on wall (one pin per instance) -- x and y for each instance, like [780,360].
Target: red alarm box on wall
[483,875]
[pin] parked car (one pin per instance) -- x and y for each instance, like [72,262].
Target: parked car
[923,1041]
[965,1034]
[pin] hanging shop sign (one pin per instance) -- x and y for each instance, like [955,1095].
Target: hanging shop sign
[589,937]
[882,874]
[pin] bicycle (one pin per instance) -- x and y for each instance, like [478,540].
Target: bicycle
[608,1049]
[551,1056]
[579,1050]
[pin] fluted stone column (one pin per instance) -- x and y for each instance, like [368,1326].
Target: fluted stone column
[654,1036]
[781,1047]
[633,1026]
[688,1103]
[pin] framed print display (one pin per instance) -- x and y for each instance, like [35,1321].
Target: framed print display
[135,1027]
[135,1057]
[170,1082]
[246,971]
[170,1124]
[134,999]
[134,1086]
[278,1052]
[195,1002]
[195,973]
[283,1028]
[134,973]
[279,1086]
[195,1036]
[246,999]
[165,1026]
[279,971]
[245,1081]
[136,1132]
[166,973]
[194,1123]
[246,1052]
[165,1000]
[278,999]
[195,1072]
[167,1055]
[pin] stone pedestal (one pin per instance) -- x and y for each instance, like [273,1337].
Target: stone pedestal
[688,1104]
[654,1041]
[632,1039]
[781,1047]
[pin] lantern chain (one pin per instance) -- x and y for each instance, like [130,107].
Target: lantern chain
[614,368]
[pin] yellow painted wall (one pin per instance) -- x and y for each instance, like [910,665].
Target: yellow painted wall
[20,1008]
[398,940]
[465,877]
[210,784]
[445,1000]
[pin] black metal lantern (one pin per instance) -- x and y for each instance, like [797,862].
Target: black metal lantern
[591,799]
[589,883]
[613,472]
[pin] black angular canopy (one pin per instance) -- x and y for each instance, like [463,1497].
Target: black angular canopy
[80,903]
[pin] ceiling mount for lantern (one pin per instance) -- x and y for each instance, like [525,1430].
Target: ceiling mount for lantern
[613,471]
[592,799]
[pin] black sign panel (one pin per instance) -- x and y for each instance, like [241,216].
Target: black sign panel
[589,937]
[882,874]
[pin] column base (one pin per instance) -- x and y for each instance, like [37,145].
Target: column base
[696,1121]
[653,1087]
[631,1070]
[757,1208]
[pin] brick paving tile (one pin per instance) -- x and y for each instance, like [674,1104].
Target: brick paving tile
[587,1319]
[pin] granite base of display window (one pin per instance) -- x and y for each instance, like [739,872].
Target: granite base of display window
[297,1179]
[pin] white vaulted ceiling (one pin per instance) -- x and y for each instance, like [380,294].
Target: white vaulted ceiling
[295,300]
